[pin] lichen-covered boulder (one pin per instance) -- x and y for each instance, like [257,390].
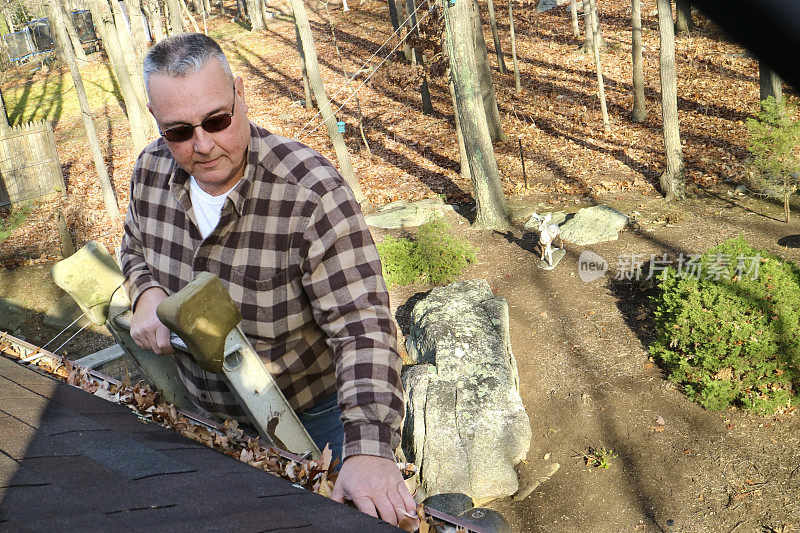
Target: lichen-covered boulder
[592,225]
[466,427]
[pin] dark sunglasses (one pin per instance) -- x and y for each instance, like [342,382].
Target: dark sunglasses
[212,124]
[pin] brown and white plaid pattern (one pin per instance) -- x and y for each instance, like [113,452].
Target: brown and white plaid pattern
[296,256]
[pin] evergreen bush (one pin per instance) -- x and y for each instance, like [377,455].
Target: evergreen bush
[432,256]
[728,329]
[774,141]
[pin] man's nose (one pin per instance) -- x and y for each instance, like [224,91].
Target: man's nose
[203,141]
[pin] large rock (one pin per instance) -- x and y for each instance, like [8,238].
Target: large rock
[591,225]
[405,214]
[466,427]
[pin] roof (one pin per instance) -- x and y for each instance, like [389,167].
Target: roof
[73,461]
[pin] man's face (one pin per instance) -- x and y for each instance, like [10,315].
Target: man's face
[216,160]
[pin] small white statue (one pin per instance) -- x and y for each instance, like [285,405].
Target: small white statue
[548,233]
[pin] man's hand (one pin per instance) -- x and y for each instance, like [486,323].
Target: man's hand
[146,329]
[375,485]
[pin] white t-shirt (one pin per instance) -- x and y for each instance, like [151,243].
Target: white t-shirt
[207,208]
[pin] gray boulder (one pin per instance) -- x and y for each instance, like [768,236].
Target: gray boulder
[466,427]
[591,225]
[404,214]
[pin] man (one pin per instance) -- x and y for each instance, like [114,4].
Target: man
[276,222]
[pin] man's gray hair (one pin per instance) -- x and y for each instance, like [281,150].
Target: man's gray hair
[183,54]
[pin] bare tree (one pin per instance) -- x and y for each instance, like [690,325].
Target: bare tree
[639,109]
[175,17]
[309,104]
[65,50]
[491,208]
[80,54]
[683,17]
[104,21]
[497,49]
[153,10]
[601,90]
[256,18]
[673,180]
[418,59]
[485,75]
[591,25]
[462,150]
[318,87]
[3,112]
[517,83]
[573,10]
[769,83]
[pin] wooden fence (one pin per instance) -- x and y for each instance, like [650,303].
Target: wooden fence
[29,166]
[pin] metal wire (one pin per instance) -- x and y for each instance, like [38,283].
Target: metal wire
[370,75]
[62,331]
[357,72]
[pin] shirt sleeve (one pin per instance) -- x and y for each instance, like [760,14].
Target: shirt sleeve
[342,278]
[138,277]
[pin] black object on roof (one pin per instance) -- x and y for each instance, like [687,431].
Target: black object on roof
[70,461]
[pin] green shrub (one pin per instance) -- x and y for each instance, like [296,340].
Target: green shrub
[432,256]
[12,220]
[774,140]
[731,336]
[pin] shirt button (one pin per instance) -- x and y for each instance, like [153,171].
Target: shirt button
[203,395]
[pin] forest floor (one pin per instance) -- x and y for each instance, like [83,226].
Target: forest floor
[586,377]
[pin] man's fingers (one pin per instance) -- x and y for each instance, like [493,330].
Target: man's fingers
[397,506]
[386,509]
[338,494]
[409,505]
[162,340]
[365,505]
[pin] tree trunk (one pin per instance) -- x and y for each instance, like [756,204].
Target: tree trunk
[3,112]
[133,62]
[153,8]
[427,106]
[103,20]
[254,11]
[485,75]
[517,83]
[207,7]
[405,30]
[673,180]
[639,109]
[393,16]
[786,210]
[139,37]
[591,24]
[80,55]
[198,6]
[601,90]
[318,87]
[175,17]
[769,83]
[188,14]
[491,208]
[683,17]
[64,236]
[309,104]
[497,50]
[67,53]
[573,9]
[462,151]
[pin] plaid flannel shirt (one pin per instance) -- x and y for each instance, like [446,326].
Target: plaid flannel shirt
[296,255]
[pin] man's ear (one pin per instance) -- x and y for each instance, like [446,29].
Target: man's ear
[238,82]
[150,108]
